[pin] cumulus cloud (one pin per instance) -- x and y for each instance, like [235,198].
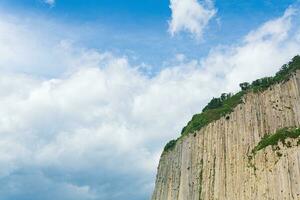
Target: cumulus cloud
[98,123]
[191,16]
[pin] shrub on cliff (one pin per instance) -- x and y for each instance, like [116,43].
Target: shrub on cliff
[273,139]
[213,111]
[170,145]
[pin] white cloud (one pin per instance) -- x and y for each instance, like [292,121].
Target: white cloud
[191,16]
[50,2]
[98,122]
[274,30]
[261,53]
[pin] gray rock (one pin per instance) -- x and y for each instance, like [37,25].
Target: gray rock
[214,164]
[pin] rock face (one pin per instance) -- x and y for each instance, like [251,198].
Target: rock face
[214,163]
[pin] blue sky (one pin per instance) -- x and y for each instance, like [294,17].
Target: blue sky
[140,27]
[91,90]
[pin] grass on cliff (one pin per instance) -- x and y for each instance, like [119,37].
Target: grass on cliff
[224,105]
[274,139]
[211,114]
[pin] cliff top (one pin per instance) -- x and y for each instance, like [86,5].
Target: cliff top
[225,104]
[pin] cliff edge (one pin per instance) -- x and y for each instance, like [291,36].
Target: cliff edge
[245,154]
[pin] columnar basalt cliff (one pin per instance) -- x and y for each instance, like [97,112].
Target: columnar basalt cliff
[221,160]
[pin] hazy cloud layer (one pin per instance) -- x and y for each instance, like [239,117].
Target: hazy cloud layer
[95,127]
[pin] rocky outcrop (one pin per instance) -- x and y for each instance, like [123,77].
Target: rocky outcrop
[215,162]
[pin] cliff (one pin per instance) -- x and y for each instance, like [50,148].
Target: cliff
[222,160]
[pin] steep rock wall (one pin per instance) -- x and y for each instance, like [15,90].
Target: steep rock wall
[214,162]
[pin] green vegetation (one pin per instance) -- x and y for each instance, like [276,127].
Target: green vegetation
[282,75]
[224,105]
[274,139]
[244,86]
[217,108]
[170,145]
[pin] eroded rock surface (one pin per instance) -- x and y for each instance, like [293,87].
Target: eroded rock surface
[214,163]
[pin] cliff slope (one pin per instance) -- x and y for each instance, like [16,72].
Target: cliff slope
[219,162]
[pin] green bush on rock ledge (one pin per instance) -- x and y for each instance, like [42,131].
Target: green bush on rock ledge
[273,139]
[170,145]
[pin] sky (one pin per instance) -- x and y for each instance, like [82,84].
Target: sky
[92,90]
